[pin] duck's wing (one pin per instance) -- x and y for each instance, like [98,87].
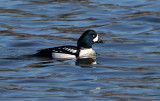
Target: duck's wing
[73,50]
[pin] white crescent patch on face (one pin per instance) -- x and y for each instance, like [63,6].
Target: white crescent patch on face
[95,39]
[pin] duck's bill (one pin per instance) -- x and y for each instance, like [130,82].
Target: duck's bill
[99,41]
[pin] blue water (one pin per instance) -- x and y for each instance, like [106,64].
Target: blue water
[126,69]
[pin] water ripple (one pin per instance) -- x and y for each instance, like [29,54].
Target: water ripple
[127,67]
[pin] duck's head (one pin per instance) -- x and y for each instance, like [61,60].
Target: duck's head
[88,38]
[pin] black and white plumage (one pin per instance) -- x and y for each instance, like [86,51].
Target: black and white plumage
[59,52]
[83,48]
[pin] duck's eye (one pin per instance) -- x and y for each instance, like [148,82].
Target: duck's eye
[93,35]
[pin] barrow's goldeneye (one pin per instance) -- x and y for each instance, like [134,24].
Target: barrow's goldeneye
[83,48]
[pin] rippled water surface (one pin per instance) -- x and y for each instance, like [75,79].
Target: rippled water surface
[126,69]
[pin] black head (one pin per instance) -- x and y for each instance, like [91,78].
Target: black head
[88,38]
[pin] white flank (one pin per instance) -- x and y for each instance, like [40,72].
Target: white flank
[95,39]
[63,56]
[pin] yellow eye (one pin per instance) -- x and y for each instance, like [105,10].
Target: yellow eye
[93,35]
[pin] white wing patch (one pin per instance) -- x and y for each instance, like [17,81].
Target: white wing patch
[64,50]
[70,50]
[74,51]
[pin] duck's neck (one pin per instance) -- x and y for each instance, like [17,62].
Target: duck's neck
[85,42]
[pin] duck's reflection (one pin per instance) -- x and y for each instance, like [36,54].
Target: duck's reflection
[85,62]
[82,62]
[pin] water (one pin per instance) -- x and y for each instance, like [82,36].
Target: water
[126,69]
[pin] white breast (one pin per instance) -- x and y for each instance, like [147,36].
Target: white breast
[89,52]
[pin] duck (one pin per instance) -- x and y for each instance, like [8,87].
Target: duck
[82,50]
